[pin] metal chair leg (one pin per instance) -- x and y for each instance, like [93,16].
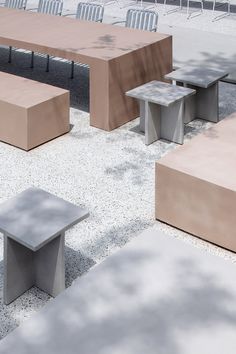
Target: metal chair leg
[47,67]
[72,70]
[214,5]
[188,9]
[10,55]
[164,7]
[32,60]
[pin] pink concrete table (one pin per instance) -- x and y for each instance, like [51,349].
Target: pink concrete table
[119,58]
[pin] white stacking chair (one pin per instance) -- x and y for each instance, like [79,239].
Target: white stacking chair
[49,7]
[140,19]
[181,6]
[218,4]
[188,5]
[14,4]
[172,10]
[88,12]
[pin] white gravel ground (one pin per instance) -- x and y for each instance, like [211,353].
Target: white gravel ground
[111,174]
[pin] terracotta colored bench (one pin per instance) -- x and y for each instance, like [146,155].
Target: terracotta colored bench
[31,113]
[196,185]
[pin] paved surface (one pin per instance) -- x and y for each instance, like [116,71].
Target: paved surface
[191,47]
[111,174]
[156,295]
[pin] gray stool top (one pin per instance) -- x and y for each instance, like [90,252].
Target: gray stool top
[160,93]
[34,217]
[197,76]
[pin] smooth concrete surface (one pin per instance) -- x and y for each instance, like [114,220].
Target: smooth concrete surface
[34,217]
[31,113]
[196,188]
[203,105]
[119,58]
[156,295]
[163,122]
[205,81]
[172,122]
[207,103]
[24,268]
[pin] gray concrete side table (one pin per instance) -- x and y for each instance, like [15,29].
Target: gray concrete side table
[205,104]
[161,110]
[34,224]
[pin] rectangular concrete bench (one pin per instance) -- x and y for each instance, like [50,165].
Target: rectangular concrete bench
[156,295]
[196,185]
[31,113]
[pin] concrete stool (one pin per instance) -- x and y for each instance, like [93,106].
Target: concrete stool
[205,104]
[161,110]
[34,224]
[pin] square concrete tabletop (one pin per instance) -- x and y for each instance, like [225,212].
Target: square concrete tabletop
[34,217]
[160,93]
[197,76]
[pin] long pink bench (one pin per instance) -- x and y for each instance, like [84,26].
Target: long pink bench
[196,185]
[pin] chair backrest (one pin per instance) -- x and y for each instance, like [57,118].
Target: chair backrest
[141,19]
[50,7]
[15,4]
[90,12]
